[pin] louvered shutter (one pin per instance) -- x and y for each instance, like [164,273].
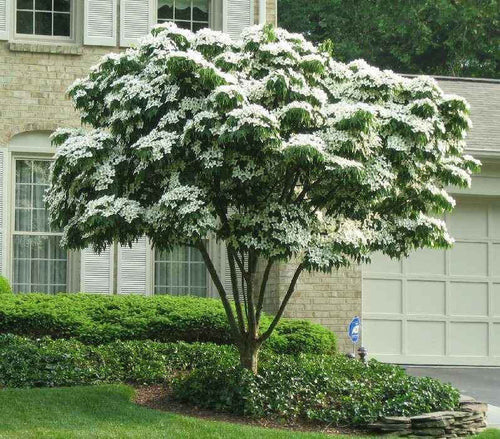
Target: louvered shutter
[238,14]
[4,19]
[226,275]
[97,271]
[136,19]
[133,266]
[100,21]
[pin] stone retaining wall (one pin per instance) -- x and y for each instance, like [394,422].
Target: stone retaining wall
[469,419]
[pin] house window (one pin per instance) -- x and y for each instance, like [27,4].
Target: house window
[180,271]
[46,18]
[39,263]
[188,14]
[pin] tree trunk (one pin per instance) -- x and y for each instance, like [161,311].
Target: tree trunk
[249,355]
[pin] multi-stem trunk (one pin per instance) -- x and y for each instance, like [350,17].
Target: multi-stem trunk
[249,355]
[244,323]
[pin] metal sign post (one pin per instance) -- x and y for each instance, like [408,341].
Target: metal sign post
[354,331]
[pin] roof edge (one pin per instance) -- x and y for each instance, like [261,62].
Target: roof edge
[456,78]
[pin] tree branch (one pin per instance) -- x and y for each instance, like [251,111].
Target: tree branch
[234,283]
[288,294]
[252,262]
[263,284]
[220,288]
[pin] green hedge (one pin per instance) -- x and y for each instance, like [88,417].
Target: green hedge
[317,388]
[98,319]
[5,287]
[327,389]
[45,362]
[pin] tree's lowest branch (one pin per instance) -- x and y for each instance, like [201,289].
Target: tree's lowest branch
[288,294]
[220,288]
[263,284]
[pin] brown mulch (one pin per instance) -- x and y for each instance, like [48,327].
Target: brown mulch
[159,397]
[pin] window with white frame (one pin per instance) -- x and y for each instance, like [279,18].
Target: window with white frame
[44,18]
[39,263]
[188,14]
[180,271]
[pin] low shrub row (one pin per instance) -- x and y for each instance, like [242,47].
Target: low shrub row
[327,389]
[319,388]
[97,319]
[25,362]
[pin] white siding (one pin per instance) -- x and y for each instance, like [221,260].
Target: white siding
[100,22]
[238,14]
[136,19]
[97,271]
[133,267]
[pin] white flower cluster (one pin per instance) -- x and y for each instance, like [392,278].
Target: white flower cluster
[267,141]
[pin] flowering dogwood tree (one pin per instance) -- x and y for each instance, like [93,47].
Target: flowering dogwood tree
[267,144]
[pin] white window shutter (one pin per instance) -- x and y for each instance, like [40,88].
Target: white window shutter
[238,14]
[133,266]
[97,271]
[4,19]
[136,19]
[100,22]
[226,276]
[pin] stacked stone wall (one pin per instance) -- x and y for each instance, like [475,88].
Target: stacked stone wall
[469,419]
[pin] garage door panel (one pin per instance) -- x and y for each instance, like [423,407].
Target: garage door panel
[495,255]
[495,299]
[383,295]
[469,221]
[425,297]
[446,303]
[494,229]
[426,338]
[429,261]
[495,336]
[468,299]
[383,336]
[469,259]
[468,339]
[384,264]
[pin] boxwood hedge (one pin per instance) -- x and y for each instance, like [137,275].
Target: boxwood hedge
[97,319]
[26,362]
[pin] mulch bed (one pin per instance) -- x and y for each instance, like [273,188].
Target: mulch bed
[159,397]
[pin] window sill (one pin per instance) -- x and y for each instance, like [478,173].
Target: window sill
[36,47]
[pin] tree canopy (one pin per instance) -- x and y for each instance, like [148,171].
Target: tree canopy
[268,144]
[438,37]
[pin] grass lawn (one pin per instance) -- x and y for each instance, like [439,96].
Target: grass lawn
[107,412]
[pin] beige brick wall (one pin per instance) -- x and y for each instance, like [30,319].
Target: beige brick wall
[329,299]
[33,86]
[271,11]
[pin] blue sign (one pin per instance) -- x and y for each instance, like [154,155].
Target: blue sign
[354,329]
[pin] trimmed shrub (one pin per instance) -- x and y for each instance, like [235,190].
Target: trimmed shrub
[5,287]
[25,362]
[327,389]
[316,388]
[98,319]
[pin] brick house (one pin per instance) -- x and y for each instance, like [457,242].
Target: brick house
[436,307]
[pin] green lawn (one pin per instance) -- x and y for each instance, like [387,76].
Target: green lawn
[107,412]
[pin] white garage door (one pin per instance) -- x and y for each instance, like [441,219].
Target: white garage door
[439,307]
